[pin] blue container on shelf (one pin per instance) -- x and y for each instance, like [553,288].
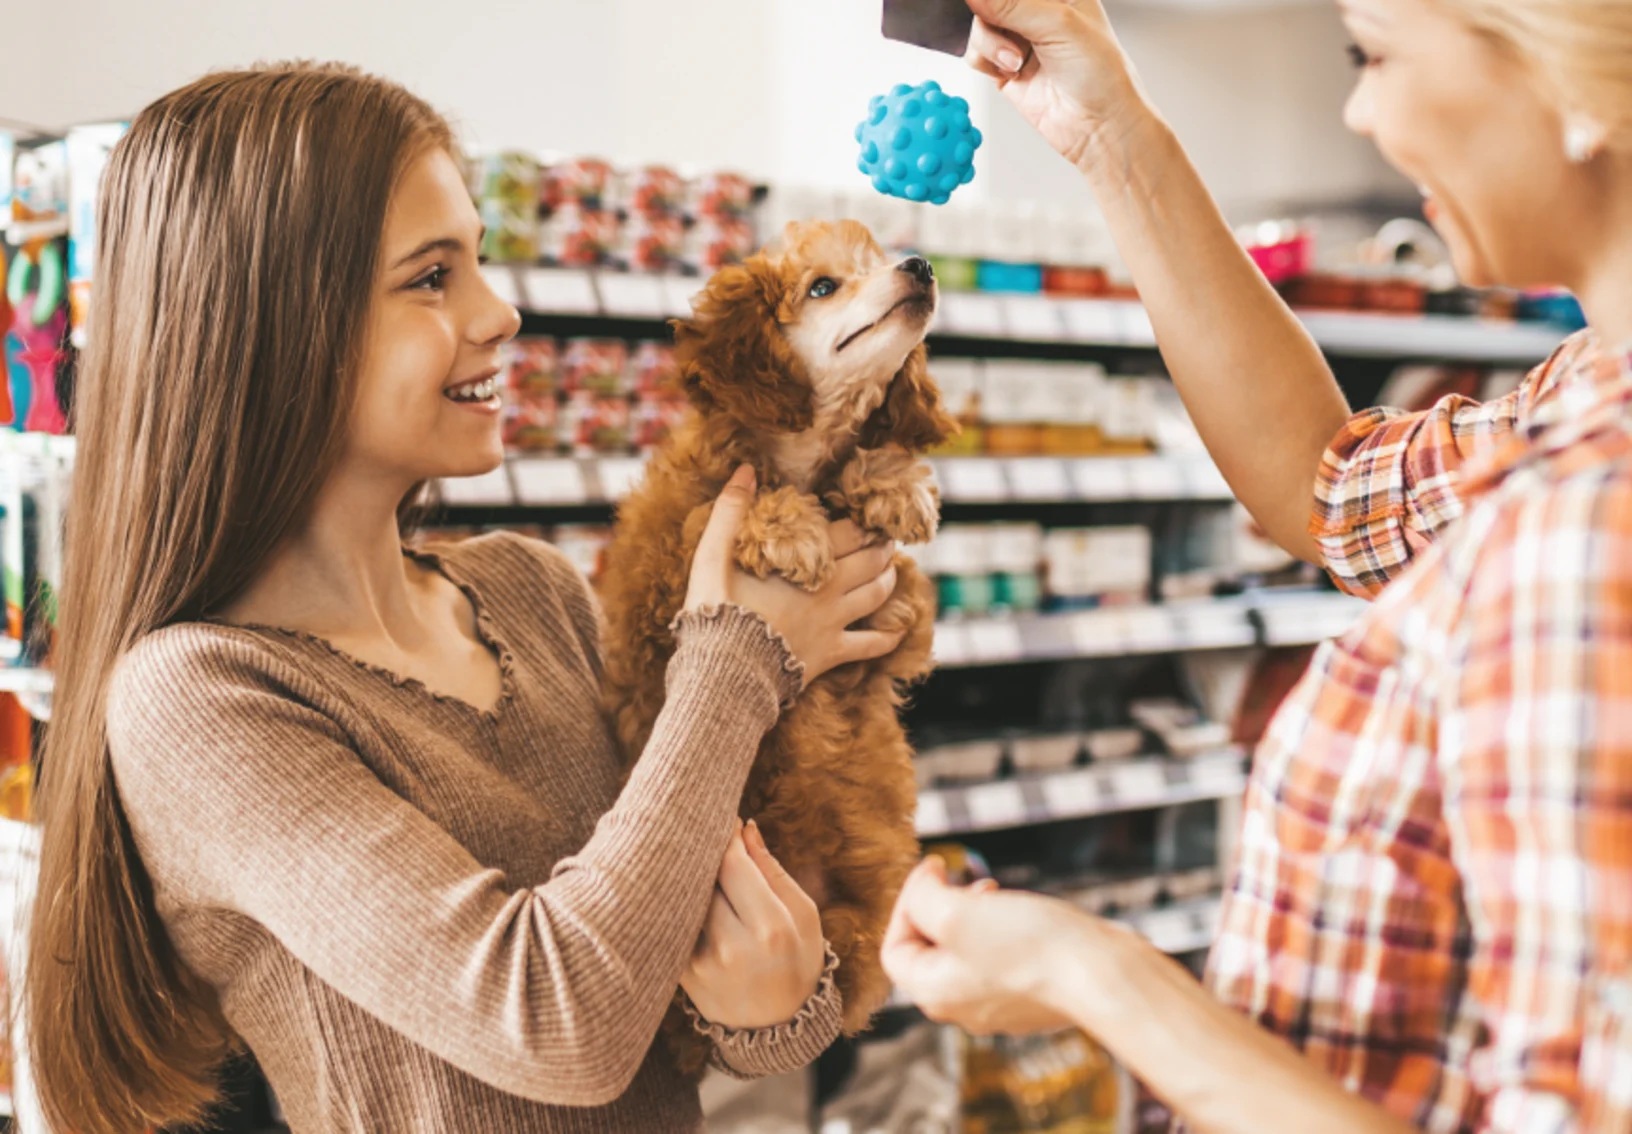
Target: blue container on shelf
[997,275]
[1555,308]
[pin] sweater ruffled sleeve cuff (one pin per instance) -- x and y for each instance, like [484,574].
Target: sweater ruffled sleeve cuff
[752,1053]
[708,636]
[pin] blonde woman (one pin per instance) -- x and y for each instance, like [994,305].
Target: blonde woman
[1433,900]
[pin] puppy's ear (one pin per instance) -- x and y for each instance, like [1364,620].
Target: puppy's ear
[733,357]
[911,415]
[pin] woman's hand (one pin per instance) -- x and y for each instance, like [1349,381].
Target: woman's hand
[761,954]
[1060,64]
[815,624]
[993,962]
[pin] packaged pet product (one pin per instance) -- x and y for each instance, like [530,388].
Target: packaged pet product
[88,150]
[508,188]
[598,366]
[649,242]
[652,368]
[720,195]
[714,242]
[656,413]
[532,423]
[532,366]
[1051,1084]
[1015,556]
[1083,565]
[595,424]
[579,236]
[650,189]
[582,181]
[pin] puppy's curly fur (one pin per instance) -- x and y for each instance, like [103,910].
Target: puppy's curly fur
[832,786]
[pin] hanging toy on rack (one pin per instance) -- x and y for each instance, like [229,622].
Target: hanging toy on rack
[917,143]
[36,281]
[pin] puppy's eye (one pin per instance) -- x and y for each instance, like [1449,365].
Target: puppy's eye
[823,288]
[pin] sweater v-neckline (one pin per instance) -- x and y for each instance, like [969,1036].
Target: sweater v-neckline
[486,634]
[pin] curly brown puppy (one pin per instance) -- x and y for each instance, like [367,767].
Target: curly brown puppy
[807,362]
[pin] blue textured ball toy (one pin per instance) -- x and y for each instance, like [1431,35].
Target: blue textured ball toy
[917,143]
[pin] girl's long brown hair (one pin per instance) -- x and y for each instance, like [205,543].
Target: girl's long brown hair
[240,228]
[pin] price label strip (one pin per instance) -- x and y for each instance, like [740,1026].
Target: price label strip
[976,316]
[995,806]
[502,279]
[1032,317]
[557,481]
[1101,478]
[972,479]
[633,295]
[560,291]
[1072,794]
[474,491]
[932,819]
[1138,783]
[1092,321]
[950,644]
[1039,478]
[619,475]
[994,640]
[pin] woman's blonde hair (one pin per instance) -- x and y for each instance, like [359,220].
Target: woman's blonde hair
[240,229]
[1579,50]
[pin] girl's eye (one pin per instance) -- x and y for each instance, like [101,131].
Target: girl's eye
[1359,57]
[433,280]
[823,288]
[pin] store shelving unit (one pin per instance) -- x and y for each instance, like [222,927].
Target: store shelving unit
[974,323]
[563,489]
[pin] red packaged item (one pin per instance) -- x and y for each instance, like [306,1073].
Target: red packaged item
[1069,281]
[653,369]
[581,180]
[656,414]
[650,242]
[596,423]
[599,366]
[714,242]
[721,195]
[532,366]
[579,236]
[652,189]
[532,423]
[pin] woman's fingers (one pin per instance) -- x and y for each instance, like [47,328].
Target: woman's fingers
[715,559]
[860,568]
[788,891]
[865,599]
[755,902]
[995,53]
[845,537]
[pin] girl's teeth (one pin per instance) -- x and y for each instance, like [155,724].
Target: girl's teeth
[475,391]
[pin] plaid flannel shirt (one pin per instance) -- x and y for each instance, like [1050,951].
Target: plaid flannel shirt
[1433,890]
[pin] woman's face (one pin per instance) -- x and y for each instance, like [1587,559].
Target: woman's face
[427,398]
[1460,116]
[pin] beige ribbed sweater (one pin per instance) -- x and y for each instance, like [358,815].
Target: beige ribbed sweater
[424,917]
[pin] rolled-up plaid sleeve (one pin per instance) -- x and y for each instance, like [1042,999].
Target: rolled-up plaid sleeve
[1389,482]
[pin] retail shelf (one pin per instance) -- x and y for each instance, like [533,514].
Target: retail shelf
[543,482]
[1182,927]
[33,688]
[1126,785]
[988,317]
[1267,619]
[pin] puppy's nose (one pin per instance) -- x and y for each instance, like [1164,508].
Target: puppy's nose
[918,268]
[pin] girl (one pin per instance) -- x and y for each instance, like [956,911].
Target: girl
[1434,894]
[351,806]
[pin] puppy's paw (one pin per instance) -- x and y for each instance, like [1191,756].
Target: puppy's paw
[889,491]
[786,534]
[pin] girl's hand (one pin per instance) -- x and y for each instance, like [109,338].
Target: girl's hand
[1060,64]
[815,624]
[993,962]
[761,954]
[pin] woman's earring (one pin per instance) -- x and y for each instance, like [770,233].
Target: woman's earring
[1583,138]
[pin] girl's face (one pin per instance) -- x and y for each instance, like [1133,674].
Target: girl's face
[1454,111]
[427,398]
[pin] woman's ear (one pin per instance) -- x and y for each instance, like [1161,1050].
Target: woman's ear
[911,415]
[732,355]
